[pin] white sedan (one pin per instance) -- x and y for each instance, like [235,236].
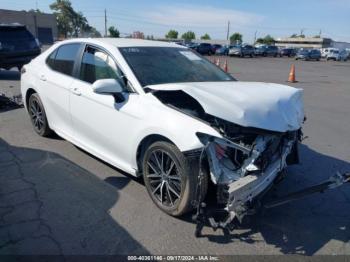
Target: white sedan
[162,111]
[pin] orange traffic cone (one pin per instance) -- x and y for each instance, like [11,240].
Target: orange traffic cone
[291,77]
[225,66]
[217,62]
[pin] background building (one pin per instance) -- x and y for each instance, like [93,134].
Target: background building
[310,42]
[138,34]
[42,26]
[306,42]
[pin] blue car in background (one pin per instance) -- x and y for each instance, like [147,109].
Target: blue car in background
[305,54]
[222,50]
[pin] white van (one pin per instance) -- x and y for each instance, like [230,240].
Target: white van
[326,51]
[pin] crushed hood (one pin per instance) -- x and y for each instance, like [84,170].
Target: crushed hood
[267,106]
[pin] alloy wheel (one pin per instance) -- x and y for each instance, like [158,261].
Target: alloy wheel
[36,114]
[164,178]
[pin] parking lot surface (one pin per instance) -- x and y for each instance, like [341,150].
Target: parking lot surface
[57,199]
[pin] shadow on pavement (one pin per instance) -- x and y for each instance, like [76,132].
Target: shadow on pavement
[51,206]
[306,225]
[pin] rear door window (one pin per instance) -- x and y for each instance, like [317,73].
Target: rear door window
[62,60]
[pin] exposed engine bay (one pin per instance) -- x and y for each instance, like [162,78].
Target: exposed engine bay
[245,161]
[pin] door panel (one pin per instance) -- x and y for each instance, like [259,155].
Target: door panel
[100,124]
[103,126]
[55,80]
[56,89]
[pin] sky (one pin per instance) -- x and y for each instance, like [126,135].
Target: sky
[279,18]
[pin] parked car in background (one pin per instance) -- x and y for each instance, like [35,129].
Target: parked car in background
[260,50]
[204,49]
[241,50]
[287,52]
[222,51]
[215,47]
[17,46]
[271,50]
[192,45]
[304,54]
[325,51]
[337,55]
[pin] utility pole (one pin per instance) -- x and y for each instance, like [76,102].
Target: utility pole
[228,30]
[255,36]
[320,32]
[301,32]
[105,23]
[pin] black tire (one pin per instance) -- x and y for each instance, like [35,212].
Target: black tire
[37,116]
[183,170]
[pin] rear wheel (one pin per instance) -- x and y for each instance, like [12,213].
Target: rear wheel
[169,178]
[38,116]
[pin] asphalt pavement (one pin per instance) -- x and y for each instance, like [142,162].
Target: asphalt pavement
[57,199]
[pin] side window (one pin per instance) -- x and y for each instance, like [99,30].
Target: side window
[65,57]
[50,61]
[96,65]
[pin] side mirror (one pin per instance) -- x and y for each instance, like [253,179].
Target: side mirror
[107,86]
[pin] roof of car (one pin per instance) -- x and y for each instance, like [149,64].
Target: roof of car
[125,42]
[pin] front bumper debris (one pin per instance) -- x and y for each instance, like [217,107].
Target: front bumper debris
[246,173]
[204,217]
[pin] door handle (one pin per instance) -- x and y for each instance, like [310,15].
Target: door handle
[42,78]
[76,91]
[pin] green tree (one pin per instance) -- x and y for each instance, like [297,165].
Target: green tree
[260,41]
[35,11]
[113,32]
[63,11]
[69,22]
[189,35]
[172,34]
[294,36]
[236,37]
[269,40]
[205,37]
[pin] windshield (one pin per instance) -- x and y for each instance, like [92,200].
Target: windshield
[161,65]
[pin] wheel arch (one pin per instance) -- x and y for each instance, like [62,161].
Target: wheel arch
[29,92]
[144,144]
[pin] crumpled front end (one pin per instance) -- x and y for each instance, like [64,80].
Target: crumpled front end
[244,166]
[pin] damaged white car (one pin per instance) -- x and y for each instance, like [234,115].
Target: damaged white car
[162,111]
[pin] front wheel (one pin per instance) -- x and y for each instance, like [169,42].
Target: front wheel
[169,178]
[38,116]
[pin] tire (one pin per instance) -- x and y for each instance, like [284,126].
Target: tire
[174,192]
[37,116]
